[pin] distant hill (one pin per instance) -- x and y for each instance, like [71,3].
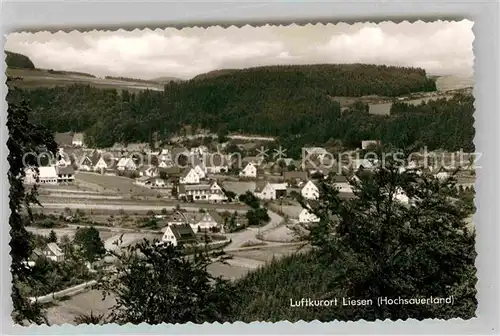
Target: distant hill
[18,61]
[165,80]
[214,73]
[43,78]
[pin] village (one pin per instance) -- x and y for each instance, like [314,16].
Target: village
[248,204]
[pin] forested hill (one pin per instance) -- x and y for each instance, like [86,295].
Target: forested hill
[18,61]
[292,103]
[333,79]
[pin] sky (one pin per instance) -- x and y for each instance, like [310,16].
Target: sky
[441,48]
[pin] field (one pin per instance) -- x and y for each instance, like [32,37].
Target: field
[43,78]
[385,108]
[382,105]
[445,83]
[118,184]
[239,187]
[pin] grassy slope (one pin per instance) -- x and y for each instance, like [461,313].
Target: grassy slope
[32,78]
[445,83]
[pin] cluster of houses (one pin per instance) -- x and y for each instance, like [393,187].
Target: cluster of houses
[58,173]
[51,251]
[180,227]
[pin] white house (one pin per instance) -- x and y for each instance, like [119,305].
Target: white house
[150,171]
[190,176]
[65,174]
[199,151]
[401,196]
[216,164]
[179,235]
[177,218]
[310,191]
[100,165]
[344,187]
[367,143]
[217,193]
[206,221]
[77,140]
[30,176]
[306,216]
[126,164]
[45,175]
[165,164]
[250,170]
[202,192]
[51,251]
[158,182]
[200,170]
[265,190]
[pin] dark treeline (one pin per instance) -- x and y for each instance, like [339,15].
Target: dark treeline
[15,60]
[292,103]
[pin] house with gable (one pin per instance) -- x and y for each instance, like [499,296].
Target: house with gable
[206,221]
[179,235]
[365,144]
[307,217]
[100,165]
[126,163]
[310,191]
[149,171]
[65,175]
[200,170]
[51,251]
[264,190]
[342,184]
[45,175]
[177,218]
[249,171]
[202,192]
[86,164]
[189,176]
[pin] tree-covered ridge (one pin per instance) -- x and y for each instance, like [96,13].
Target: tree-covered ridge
[334,79]
[15,60]
[294,106]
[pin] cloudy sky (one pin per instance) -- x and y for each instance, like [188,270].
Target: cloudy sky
[439,47]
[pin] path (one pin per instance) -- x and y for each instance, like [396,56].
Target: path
[250,234]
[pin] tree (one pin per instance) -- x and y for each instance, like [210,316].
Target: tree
[257,216]
[159,285]
[383,247]
[24,137]
[230,195]
[291,167]
[90,243]
[250,199]
[52,237]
